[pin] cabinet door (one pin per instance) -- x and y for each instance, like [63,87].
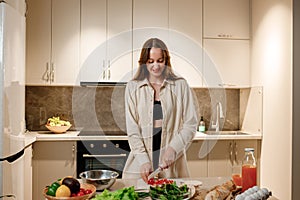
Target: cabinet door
[197,166]
[52,42]
[226,19]
[93,40]
[38,41]
[186,52]
[119,40]
[150,19]
[226,62]
[220,158]
[65,41]
[226,156]
[51,161]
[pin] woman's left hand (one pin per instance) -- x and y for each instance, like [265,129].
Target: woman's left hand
[168,157]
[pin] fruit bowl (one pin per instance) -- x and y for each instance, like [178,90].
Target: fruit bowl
[58,129]
[84,197]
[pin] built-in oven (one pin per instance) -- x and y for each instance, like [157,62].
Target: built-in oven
[102,154]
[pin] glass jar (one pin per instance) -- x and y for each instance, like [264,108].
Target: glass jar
[248,169]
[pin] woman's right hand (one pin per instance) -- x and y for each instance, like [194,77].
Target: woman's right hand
[145,170]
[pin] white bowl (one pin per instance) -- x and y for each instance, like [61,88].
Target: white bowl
[58,129]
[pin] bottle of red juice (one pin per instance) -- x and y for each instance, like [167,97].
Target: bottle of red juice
[248,169]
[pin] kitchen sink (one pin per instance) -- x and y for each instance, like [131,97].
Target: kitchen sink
[225,133]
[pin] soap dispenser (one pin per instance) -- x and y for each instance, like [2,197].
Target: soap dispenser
[202,125]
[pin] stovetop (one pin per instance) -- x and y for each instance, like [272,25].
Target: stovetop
[101,133]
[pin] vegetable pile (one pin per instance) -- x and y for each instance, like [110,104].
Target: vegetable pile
[169,191]
[121,194]
[56,121]
[166,191]
[67,187]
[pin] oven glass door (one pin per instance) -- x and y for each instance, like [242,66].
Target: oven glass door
[102,161]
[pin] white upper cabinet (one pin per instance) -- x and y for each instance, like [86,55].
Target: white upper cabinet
[226,19]
[150,20]
[106,40]
[169,23]
[65,41]
[185,39]
[52,55]
[119,43]
[92,39]
[38,41]
[226,63]
[73,41]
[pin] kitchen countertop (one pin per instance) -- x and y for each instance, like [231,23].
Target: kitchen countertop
[31,137]
[207,183]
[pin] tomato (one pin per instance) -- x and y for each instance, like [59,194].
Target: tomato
[153,181]
[88,191]
[80,193]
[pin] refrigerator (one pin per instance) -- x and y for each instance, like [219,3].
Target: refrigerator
[12,104]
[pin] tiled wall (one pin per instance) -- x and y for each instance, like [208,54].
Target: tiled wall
[103,107]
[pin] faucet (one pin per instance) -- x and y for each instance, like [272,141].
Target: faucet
[219,115]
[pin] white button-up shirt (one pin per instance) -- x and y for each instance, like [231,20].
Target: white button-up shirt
[179,124]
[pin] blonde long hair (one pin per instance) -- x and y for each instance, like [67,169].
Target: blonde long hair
[142,71]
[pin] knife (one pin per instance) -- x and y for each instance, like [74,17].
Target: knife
[154,173]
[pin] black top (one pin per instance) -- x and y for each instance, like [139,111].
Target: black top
[157,115]
[157,110]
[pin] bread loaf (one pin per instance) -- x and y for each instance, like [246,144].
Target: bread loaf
[220,192]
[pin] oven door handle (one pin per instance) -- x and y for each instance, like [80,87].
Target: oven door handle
[103,155]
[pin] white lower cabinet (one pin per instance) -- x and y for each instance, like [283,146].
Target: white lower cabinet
[227,155]
[50,162]
[197,166]
[210,158]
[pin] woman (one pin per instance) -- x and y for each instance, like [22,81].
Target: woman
[161,117]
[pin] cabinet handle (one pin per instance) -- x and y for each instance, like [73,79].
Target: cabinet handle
[52,73]
[46,75]
[103,155]
[108,70]
[73,152]
[103,68]
[223,35]
[231,152]
[236,153]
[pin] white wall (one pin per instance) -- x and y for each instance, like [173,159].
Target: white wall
[296,101]
[272,68]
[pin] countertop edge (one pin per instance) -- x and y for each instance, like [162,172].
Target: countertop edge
[33,136]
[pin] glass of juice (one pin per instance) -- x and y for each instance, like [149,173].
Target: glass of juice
[236,175]
[237,179]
